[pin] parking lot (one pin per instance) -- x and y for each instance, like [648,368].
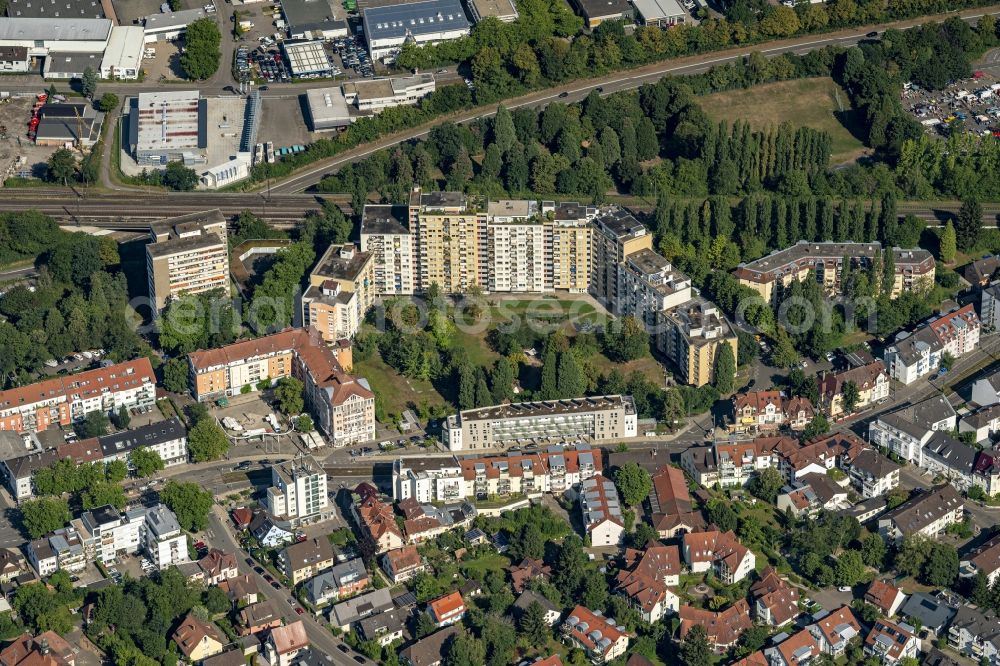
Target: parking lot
[351,53]
[970,105]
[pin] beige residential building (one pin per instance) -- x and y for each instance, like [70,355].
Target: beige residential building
[450,232]
[616,235]
[516,248]
[690,336]
[770,276]
[342,405]
[187,255]
[341,291]
[647,285]
[387,238]
[607,417]
[572,235]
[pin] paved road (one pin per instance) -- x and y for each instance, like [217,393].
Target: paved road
[319,634]
[625,80]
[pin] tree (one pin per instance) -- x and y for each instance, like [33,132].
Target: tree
[464,650]
[625,339]
[850,569]
[94,424]
[571,382]
[873,551]
[145,461]
[290,395]
[532,624]
[633,483]
[722,515]
[817,426]
[850,394]
[695,649]
[979,592]
[766,485]
[215,600]
[549,389]
[941,567]
[896,497]
[43,515]
[207,441]
[175,375]
[502,380]
[88,82]
[122,419]
[969,224]
[189,502]
[61,165]
[116,471]
[178,177]
[202,54]
[913,553]
[948,243]
[102,494]
[108,102]
[752,640]
[725,368]
[304,424]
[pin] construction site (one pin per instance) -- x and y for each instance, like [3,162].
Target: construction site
[32,127]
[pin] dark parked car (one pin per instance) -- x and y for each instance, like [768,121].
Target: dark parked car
[275,584]
[563,94]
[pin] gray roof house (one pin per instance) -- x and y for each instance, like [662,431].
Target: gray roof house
[348,612]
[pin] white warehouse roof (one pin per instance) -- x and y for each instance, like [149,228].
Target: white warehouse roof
[416,18]
[658,9]
[47,29]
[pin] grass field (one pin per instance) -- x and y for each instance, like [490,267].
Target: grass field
[397,392]
[811,103]
[486,562]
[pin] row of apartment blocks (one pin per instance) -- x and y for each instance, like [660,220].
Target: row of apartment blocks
[554,470]
[918,353]
[102,534]
[771,276]
[342,405]
[167,438]
[598,418]
[63,400]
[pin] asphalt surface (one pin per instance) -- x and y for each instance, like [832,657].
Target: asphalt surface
[625,80]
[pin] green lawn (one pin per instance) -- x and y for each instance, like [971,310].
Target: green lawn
[813,103]
[490,561]
[397,392]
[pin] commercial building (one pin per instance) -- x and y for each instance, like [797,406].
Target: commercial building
[123,55]
[387,28]
[167,126]
[168,26]
[690,336]
[341,291]
[228,172]
[596,12]
[314,19]
[917,354]
[14,60]
[307,57]
[373,95]
[342,405]
[501,10]
[595,634]
[385,236]
[327,110]
[553,470]
[56,9]
[187,255]
[62,65]
[298,492]
[928,514]
[659,13]
[598,417]
[770,276]
[63,400]
[168,439]
[40,36]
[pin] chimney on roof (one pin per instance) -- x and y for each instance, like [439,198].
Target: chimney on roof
[43,646]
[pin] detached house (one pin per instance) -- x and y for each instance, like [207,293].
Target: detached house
[307,559]
[377,523]
[885,596]
[198,640]
[796,650]
[767,411]
[775,602]
[595,634]
[402,564]
[872,381]
[343,580]
[447,609]
[286,643]
[217,566]
[722,552]
[646,579]
[723,628]
[834,631]
[985,558]
[891,642]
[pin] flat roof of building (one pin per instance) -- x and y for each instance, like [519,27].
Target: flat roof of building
[658,9]
[307,56]
[340,265]
[498,8]
[551,407]
[415,18]
[172,20]
[60,62]
[49,9]
[603,8]
[385,219]
[308,14]
[48,29]
[327,105]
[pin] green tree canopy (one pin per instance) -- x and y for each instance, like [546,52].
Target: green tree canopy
[633,483]
[189,502]
[202,52]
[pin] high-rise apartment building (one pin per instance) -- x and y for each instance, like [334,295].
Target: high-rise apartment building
[187,255]
[298,491]
[690,336]
[386,237]
[450,231]
[341,290]
[518,248]
[572,235]
[647,285]
[617,234]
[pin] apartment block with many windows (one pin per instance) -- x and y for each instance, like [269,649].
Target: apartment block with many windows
[450,230]
[690,335]
[187,255]
[617,234]
[298,492]
[341,291]
[386,237]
